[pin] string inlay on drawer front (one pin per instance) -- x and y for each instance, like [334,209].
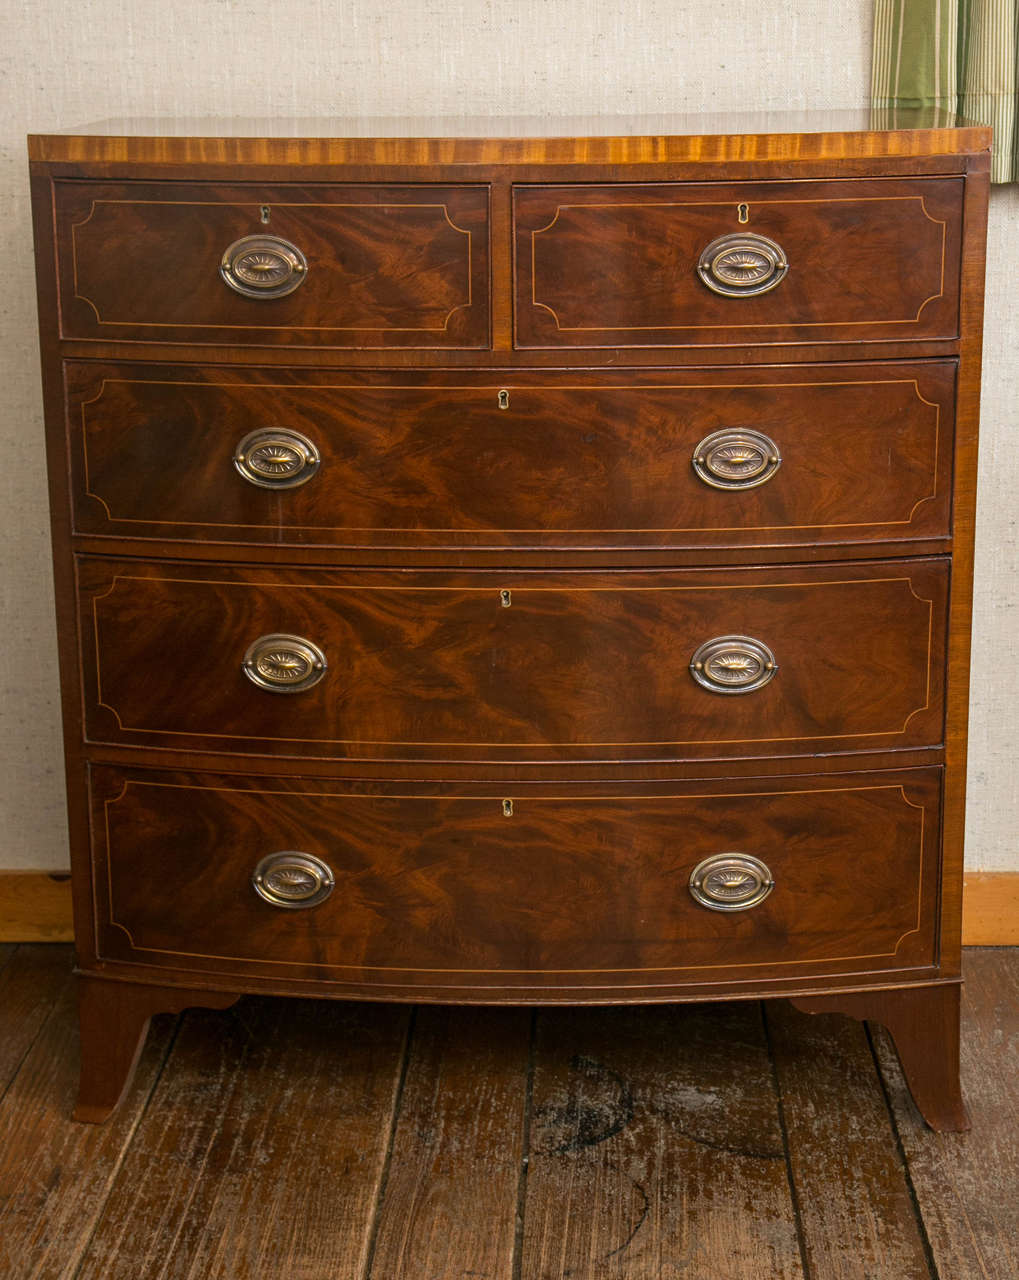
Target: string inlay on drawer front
[552,642]
[867,258]
[385,266]
[563,434]
[899,815]
[263,323]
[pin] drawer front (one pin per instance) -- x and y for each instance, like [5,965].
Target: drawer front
[731,457]
[339,266]
[692,263]
[548,888]
[515,666]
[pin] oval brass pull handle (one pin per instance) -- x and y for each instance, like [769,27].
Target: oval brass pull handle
[736,458]
[742,265]
[730,882]
[293,880]
[284,664]
[263,267]
[733,664]
[276,459]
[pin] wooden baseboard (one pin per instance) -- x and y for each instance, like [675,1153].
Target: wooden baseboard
[990,909]
[36,907]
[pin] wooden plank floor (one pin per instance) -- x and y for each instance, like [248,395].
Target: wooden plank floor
[318,1141]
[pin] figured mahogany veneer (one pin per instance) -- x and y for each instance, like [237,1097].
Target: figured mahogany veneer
[577,461]
[512,383]
[437,887]
[869,260]
[565,667]
[387,265]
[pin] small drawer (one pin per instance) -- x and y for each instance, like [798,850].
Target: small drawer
[544,888]
[335,266]
[515,666]
[691,264]
[650,459]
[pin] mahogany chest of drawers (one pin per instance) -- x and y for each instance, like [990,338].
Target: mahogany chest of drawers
[531,566]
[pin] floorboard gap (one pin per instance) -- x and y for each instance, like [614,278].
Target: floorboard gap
[518,1239]
[373,1239]
[914,1199]
[793,1195]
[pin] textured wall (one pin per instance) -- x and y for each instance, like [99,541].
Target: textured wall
[68,64]
[993,805]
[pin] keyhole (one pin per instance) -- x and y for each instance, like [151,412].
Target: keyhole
[265,213]
[505,598]
[503,399]
[743,213]
[507,808]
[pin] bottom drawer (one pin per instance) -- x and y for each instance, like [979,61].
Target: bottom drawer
[543,891]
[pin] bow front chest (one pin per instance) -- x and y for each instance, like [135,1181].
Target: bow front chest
[525,567]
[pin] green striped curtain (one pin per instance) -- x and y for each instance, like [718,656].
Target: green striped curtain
[959,55]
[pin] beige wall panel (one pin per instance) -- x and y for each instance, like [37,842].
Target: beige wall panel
[993,804]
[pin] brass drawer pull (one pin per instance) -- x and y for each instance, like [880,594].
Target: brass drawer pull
[284,664]
[742,265]
[733,664]
[736,458]
[263,267]
[276,459]
[293,880]
[730,882]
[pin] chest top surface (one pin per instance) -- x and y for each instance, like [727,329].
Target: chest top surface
[788,136]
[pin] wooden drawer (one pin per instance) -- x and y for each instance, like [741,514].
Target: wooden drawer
[513,665]
[544,887]
[384,266]
[863,261]
[573,461]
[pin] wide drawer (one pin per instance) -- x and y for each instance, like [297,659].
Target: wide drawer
[515,666]
[548,888]
[681,264]
[678,458]
[340,265]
